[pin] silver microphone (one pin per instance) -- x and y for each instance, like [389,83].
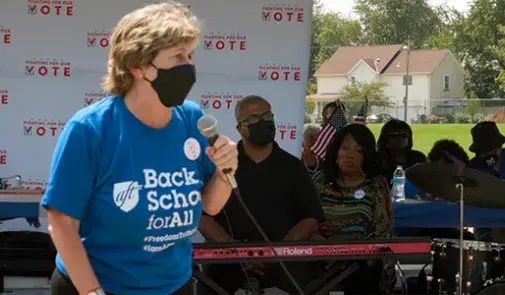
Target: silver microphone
[208,127]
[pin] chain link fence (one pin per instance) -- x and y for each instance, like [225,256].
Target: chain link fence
[433,111]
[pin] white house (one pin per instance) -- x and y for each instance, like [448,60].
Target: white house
[435,76]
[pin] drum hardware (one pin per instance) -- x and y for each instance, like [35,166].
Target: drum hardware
[495,288]
[441,286]
[461,188]
[457,183]
[429,282]
[483,271]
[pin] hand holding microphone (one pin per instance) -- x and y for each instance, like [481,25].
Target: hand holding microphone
[222,151]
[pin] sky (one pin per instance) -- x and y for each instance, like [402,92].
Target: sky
[345,6]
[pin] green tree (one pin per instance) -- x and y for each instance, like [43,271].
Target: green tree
[336,31]
[329,32]
[310,106]
[500,52]
[478,41]
[443,37]
[317,11]
[356,95]
[473,105]
[397,21]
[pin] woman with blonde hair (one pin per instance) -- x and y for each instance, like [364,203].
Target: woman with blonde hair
[131,174]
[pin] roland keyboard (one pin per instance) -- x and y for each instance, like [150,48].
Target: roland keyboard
[405,250]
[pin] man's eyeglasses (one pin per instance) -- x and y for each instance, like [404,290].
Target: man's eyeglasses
[252,119]
[402,135]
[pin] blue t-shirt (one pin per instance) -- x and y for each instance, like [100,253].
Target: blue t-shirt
[136,191]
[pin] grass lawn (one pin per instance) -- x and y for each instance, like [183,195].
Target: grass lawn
[425,135]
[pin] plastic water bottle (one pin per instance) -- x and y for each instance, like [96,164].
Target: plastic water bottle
[398,190]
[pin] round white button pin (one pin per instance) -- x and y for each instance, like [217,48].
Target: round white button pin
[192,149]
[359,194]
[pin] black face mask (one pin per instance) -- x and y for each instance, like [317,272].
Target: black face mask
[262,132]
[173,85]
[491,160]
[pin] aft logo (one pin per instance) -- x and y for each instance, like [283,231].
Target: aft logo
[279,72]
[286,131]
[220,101]
[99,39]
[5,35]
[3,157]
[51,7]
[4,97]
[225,42]
[126,195]
[94,96]
[42,127]
[283,13]
[48,67]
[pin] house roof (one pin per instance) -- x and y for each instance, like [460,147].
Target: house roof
[421,62]
[345,58]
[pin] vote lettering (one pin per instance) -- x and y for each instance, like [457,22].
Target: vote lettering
[51,10]
[289,16]
[287,134]
[279,75]
[103,42]
[50,70]
[231,45]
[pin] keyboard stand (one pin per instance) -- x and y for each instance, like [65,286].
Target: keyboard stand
[326,288]
[200,276]
[313,288]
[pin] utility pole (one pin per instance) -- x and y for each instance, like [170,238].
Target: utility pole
[407,82]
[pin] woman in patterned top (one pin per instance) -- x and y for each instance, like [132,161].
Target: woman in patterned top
[355,198]
[356,202]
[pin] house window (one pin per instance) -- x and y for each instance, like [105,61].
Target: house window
[405,79]
[353,80]
[447,83]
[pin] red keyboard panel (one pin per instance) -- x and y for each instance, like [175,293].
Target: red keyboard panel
[298,251]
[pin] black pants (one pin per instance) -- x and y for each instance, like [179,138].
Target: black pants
[231,278]
[62,285]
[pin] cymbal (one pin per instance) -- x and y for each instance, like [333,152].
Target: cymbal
[480,189]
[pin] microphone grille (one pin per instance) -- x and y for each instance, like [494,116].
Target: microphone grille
[208,126]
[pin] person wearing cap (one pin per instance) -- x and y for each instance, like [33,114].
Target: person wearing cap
[487,142]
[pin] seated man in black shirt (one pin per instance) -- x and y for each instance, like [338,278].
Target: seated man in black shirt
[487,144]
[280,194]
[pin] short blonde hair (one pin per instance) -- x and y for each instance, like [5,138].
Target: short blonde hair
[141,35]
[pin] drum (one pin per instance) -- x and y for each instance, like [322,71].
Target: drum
[497,288]
[482,261]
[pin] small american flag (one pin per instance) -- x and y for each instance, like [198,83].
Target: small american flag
[360,118]
[334,124]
